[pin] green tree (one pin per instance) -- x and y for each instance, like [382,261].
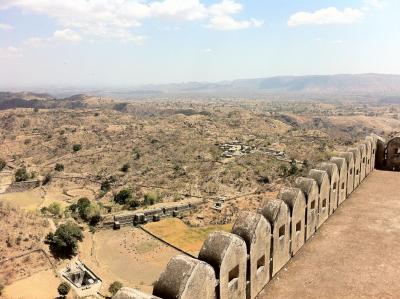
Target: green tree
[47,178]
[123,196]
[125,167]
[64,242]
[115,287]
[21,175]
[81,205]
[76,147]
[59,167]
[63,289]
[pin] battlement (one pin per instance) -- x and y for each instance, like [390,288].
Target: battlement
[241,263]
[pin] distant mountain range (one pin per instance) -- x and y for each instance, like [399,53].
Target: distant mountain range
[364,83]
[380,85]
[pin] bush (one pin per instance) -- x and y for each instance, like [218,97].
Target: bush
[151,199]
[91,214]
[59,167]
[64,242]
[125,167]
[63,289]
[115,287]
[54,209]
[1,288]
[2,164]
[123,196]
[76,147]
[105,186]
[133,203]
[21,175]
[47,179]
[81,205]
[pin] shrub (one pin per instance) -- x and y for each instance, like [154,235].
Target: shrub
[54,209]
[2,164]
[59,167]
[91,214]
[123,196]
[21,175]
[36,110]
[47,179]
[125,167]
[105,186]
[1,288]
[81,205]
[76,147]
[115,287]
[133,203]
[63,289]
[151,199]
[64,242]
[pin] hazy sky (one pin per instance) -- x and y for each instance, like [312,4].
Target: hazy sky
[133,42]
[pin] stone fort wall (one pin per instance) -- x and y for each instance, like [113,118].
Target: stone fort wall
[238,265]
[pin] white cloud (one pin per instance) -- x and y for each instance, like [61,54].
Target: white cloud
[187,10]
[207,50]
[10,52]
[4,26]
[329,15]
[226,7]
[67,35]
[226,23]
[116,19]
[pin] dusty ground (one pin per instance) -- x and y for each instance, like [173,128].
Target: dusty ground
[354,254]
[128,255]
[42,285]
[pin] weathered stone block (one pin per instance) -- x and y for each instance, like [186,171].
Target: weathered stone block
[255,230]
[368,144]
[227,254]
[311,192]
[350,170]
[342,187]
[357,165]
[295,200]
[363,160]
[277,213]
[322,179]
[186,278]
[333,173]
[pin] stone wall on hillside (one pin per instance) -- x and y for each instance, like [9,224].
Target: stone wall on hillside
[238,265]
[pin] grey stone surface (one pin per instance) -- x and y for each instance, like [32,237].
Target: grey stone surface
[295,200]
[357,165]
[310,190]
[227,254]
[255,230]
[368,144]
[322,179]
[277,213]
[186,278]
[333,173]
[350,170]
[363,160]
[342,187]
[393,156]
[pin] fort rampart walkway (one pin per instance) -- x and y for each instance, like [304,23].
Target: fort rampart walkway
[355,254]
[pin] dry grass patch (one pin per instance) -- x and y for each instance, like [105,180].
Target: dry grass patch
[187,238]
